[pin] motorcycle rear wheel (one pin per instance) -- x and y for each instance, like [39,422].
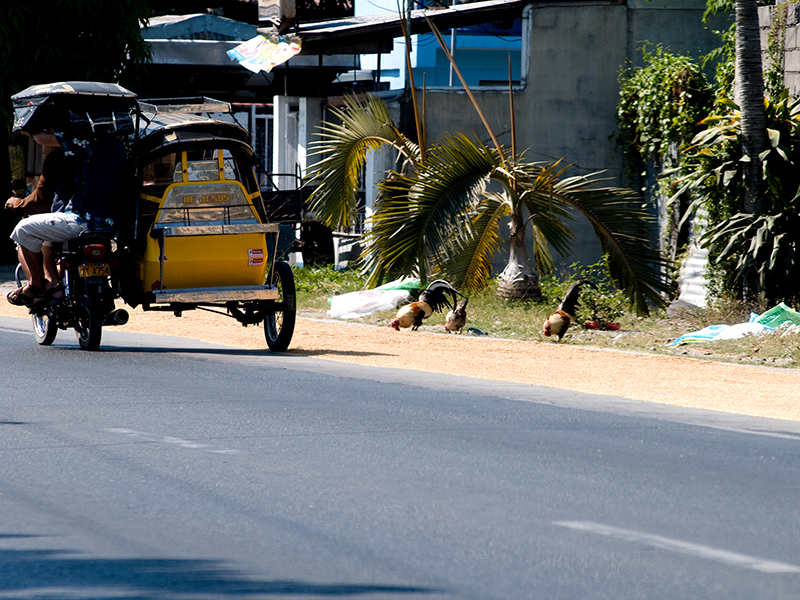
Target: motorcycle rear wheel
[89,321]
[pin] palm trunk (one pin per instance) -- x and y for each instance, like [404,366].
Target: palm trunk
[750,94]
[519,280]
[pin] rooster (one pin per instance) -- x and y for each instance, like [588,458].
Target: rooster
[456,318]
[431,300]
[558,323]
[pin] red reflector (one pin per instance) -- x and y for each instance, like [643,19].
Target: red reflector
[94,251]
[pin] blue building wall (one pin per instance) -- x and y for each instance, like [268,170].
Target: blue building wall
[481,52]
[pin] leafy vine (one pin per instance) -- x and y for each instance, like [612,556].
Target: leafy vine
[660,104]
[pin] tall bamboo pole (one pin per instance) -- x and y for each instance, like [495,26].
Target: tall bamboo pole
[440,39]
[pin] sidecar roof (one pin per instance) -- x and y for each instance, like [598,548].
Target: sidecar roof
[100,107]
[174,124]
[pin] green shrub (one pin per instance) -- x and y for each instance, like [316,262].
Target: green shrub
[604,304]
[743,247]
[660,104]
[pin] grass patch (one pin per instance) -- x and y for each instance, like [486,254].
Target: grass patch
[518,320]
[315,285]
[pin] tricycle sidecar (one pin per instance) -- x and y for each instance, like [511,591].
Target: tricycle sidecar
[199,236]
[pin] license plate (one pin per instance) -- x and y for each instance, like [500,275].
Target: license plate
[94,269]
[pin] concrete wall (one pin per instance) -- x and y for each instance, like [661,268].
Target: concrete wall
[567,104]
[767,16]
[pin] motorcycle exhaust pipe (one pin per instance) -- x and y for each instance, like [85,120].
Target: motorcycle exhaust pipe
[117,317]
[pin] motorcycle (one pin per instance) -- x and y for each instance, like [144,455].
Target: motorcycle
[87,270]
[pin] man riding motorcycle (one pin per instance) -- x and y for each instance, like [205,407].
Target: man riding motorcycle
[98,185]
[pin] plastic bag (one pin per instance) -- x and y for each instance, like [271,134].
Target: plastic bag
[404,283]
[714,333]
[385,297]
[742,329]
[366,302]
[779,314]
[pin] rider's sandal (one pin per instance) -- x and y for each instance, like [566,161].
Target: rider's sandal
[54,294]
[18,297]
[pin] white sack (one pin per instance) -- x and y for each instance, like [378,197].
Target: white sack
[366,302]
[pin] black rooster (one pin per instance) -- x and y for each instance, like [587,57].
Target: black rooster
[433,299]
[558,323]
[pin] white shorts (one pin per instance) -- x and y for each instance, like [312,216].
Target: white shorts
[33,231]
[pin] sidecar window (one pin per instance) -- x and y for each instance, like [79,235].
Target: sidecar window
[206,204]
[204,170]
[159,172]
[197,187]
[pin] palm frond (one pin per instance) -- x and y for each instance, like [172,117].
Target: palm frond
[389,250]
[638,269]
[417,218]
[547,213]
[466,262]
[437,217]
[365,126]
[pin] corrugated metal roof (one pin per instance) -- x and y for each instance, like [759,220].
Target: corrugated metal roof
[197,27]
[374,33]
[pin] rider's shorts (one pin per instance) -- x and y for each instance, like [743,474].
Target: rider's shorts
[32,232]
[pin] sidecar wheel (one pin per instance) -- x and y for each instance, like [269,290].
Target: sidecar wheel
[281,313]
[89,321]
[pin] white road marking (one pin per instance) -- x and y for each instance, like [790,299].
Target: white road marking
[161,439]
[706,552]
[776,434]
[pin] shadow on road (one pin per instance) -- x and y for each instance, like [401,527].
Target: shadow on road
[57,574]
[218,351]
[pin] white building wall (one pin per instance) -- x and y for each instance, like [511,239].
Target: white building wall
[309,120]
[285,141]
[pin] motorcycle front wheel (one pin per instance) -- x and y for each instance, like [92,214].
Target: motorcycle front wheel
[44,328]
[89,321]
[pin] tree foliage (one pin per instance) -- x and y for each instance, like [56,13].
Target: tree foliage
[660,104]
[63,40]
[749,190]
[758,247]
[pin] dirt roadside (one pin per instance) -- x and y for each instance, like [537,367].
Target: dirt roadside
[678,381]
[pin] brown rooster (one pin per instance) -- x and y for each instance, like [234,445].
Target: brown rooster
[431,300]
[457,318]
[558,323]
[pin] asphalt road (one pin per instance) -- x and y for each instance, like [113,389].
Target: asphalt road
[166,468]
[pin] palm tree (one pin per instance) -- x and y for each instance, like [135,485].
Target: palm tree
[437,214]
[440,216]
